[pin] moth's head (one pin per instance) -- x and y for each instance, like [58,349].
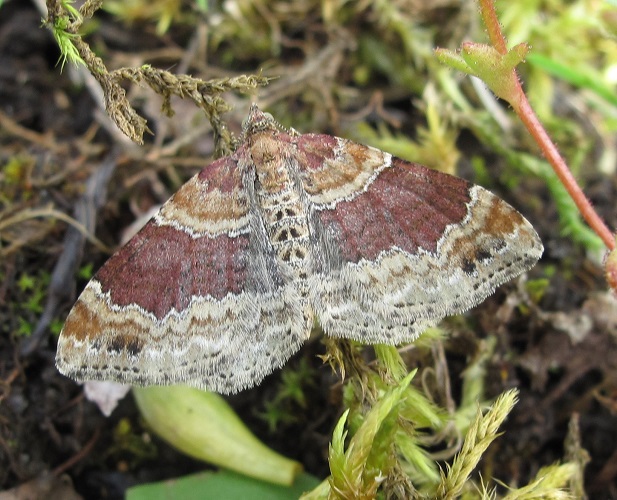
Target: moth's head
[258,121]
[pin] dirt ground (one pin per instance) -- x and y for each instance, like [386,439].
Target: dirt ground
[56,145]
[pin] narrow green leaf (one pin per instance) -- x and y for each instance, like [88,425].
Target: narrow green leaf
[221,485]
[573,76]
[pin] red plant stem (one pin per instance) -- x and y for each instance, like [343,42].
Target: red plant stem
[523,109]
[529,118]
[489,16]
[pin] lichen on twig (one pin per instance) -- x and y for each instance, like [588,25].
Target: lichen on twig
[64,21]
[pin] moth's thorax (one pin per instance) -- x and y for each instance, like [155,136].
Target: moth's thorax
[267,151]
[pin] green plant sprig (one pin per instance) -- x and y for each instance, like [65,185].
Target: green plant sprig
[481,434]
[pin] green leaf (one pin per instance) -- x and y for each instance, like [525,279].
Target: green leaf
[574,76]
[202,425]
[488,64]
[25,282]
[220,485]
[494,68]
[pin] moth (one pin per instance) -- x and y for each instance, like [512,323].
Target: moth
[224,283]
